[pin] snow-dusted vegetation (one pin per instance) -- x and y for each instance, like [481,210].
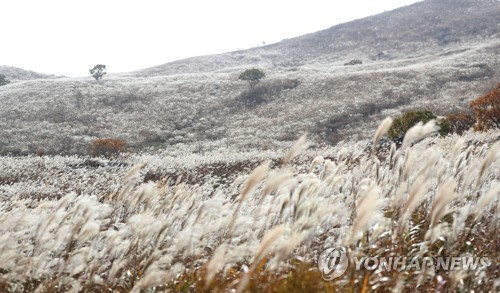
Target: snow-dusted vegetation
[75,225]
[331,101]
[420,56]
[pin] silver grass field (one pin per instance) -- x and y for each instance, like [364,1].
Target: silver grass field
[68,227]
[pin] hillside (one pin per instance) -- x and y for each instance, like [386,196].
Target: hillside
[420,29]
[14,73]
[199,105]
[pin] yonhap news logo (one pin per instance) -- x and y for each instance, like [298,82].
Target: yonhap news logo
[333,263]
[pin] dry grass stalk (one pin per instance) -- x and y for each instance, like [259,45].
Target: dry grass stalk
[492,155]
[382,129]
[415,197]
[444,195]
[300,145]
[367,212]
[485,201]
[419,132]
[264,248]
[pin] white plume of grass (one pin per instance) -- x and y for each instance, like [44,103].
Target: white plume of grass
[459,144]
[393,154]
[367,212]
[264,248]
[253,179]
[218,259]
[217,262]
[460,216]
[275,182]
[300,145]
[456,277]
[485,201]
[266,243]
[382,129]
[491,157]
[130,180]
[419,132]
[59,214]
[409,165]
[317,161]
[152,277]
[286,249]
[496,218]
[415,197]
[444,195]
[328,169]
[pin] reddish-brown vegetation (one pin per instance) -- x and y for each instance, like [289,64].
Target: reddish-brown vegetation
[487,109]
[107,147]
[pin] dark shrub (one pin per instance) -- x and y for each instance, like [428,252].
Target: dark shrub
[353,62]
[266,91]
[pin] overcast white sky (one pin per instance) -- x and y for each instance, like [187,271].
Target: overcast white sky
[67,37]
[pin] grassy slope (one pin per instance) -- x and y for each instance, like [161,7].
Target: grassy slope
[421,29]
[14,73]
[70,223]
[431,59]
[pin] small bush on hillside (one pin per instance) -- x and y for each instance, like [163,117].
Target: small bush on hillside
[487,109]
[107,147]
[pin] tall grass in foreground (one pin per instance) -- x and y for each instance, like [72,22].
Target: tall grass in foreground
[265,232]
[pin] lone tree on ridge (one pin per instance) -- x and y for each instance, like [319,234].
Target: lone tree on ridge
[98,71]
